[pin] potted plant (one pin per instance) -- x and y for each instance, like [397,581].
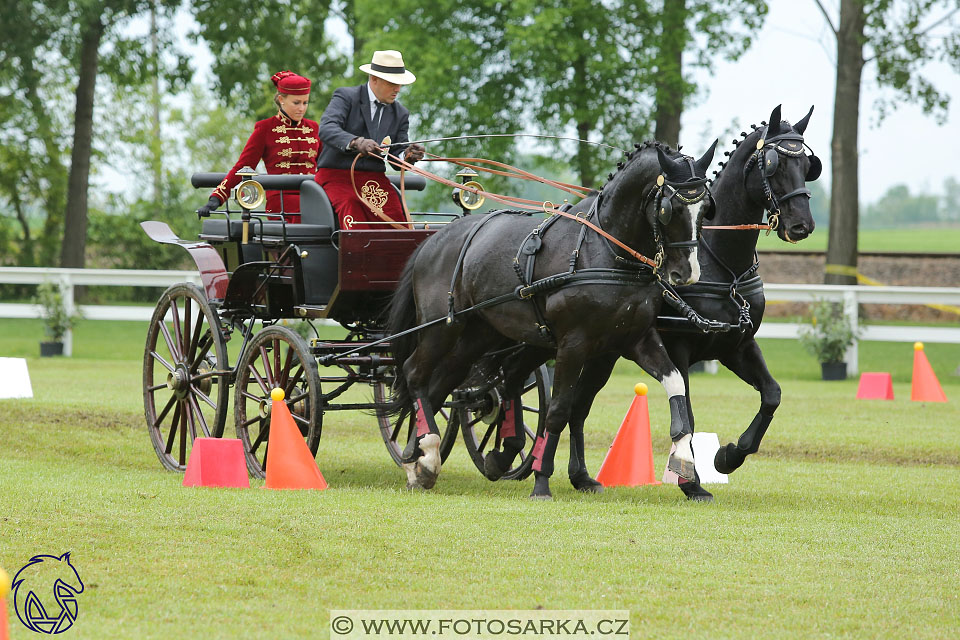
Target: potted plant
[828,336]
[56,319]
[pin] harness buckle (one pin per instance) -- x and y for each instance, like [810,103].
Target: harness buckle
[658,259]
[773,221]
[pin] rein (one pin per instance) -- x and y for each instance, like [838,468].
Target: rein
[522,203]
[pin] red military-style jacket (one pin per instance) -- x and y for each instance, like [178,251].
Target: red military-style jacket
[285,148]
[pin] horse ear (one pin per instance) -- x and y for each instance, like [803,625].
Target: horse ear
[706,159]
[802,125]
[774,127]
[671,167]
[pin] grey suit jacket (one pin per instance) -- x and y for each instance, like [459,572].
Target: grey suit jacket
[348,116]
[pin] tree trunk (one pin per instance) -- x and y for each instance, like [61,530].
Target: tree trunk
[845,188]
[75,227]
[669,76]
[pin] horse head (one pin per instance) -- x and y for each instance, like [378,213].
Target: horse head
[775,173]
[677,209]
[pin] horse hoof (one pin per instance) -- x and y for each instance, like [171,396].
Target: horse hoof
[683,468]
[427,468]
[582,481]
[411,470]
[491,468]
[728,459]
[695,492]
[541,488]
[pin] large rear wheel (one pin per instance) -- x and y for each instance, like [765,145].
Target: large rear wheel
[185,374]
[480,424]
[276,357]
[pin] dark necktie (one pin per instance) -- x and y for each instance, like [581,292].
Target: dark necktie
[376,120]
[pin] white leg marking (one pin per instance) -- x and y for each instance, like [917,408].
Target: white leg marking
[673,384]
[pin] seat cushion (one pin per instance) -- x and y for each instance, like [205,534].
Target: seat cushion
[219,230]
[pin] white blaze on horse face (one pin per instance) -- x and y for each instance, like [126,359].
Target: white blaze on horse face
[673,384]
[694,258]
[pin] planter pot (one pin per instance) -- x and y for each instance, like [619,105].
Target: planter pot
[48,349]
[833,370]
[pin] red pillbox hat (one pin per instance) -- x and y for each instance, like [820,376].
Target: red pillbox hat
[289,83]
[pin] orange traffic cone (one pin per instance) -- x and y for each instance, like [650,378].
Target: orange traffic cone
[926,387]
[4,590]
[629,462]
[289,462]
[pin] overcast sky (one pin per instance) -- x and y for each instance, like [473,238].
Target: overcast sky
[791,62]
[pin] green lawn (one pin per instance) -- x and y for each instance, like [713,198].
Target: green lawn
[923,240]
[844,525]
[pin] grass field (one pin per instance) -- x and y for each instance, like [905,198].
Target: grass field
[920,240]
[844,525]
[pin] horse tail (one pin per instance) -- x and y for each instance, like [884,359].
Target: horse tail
[402,315]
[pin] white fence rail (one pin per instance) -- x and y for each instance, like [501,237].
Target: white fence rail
[850,296]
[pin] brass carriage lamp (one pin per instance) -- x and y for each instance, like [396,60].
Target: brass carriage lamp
[468,200]
[249,195]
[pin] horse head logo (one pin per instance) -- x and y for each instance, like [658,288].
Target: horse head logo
[45,594]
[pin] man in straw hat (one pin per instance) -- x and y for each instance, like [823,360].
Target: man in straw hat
[357,122]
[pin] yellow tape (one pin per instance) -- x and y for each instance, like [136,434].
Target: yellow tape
[841,270]
[862,279]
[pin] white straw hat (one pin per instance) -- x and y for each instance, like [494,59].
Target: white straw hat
[389,66]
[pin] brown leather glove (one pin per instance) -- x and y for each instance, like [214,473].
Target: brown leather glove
[366,147]
[414,153]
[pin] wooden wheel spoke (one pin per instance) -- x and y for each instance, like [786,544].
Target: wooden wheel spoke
[528,387]
[284,373]
[166,365]
[174,353]
[156,387]
[203,396]
[292,382]
[298,418]
[250,396]
[163,414]
[261,437]
[297,398]
[260,381]
[177,329]
[531,409]
[486,436]
[197,332]
[201,419]
[191,418]
[174,425]
[529,432]
[187,324]
[268,373]
[396,431]
[247,423]
[183,434]
[474,422]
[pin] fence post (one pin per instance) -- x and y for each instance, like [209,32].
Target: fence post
[851,313]
[66,290]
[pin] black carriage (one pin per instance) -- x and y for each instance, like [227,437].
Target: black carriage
[258,274]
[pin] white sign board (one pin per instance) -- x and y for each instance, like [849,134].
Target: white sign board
[705,447]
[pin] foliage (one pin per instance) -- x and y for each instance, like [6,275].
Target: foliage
[898,207]
[828,334]
[57,320]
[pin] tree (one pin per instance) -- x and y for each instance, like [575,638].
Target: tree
[702,31]
[253,39]
[899,208]
[897,37]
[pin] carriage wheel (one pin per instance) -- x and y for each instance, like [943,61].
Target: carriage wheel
[395,435]
[276,357]
[184,397]
[480,433]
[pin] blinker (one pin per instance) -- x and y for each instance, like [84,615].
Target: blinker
[771,160]
[815,168]
[666,211]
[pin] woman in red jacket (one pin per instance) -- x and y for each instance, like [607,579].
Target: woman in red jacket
[287,143]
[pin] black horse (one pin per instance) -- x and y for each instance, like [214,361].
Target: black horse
[766,173]
[542,288]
